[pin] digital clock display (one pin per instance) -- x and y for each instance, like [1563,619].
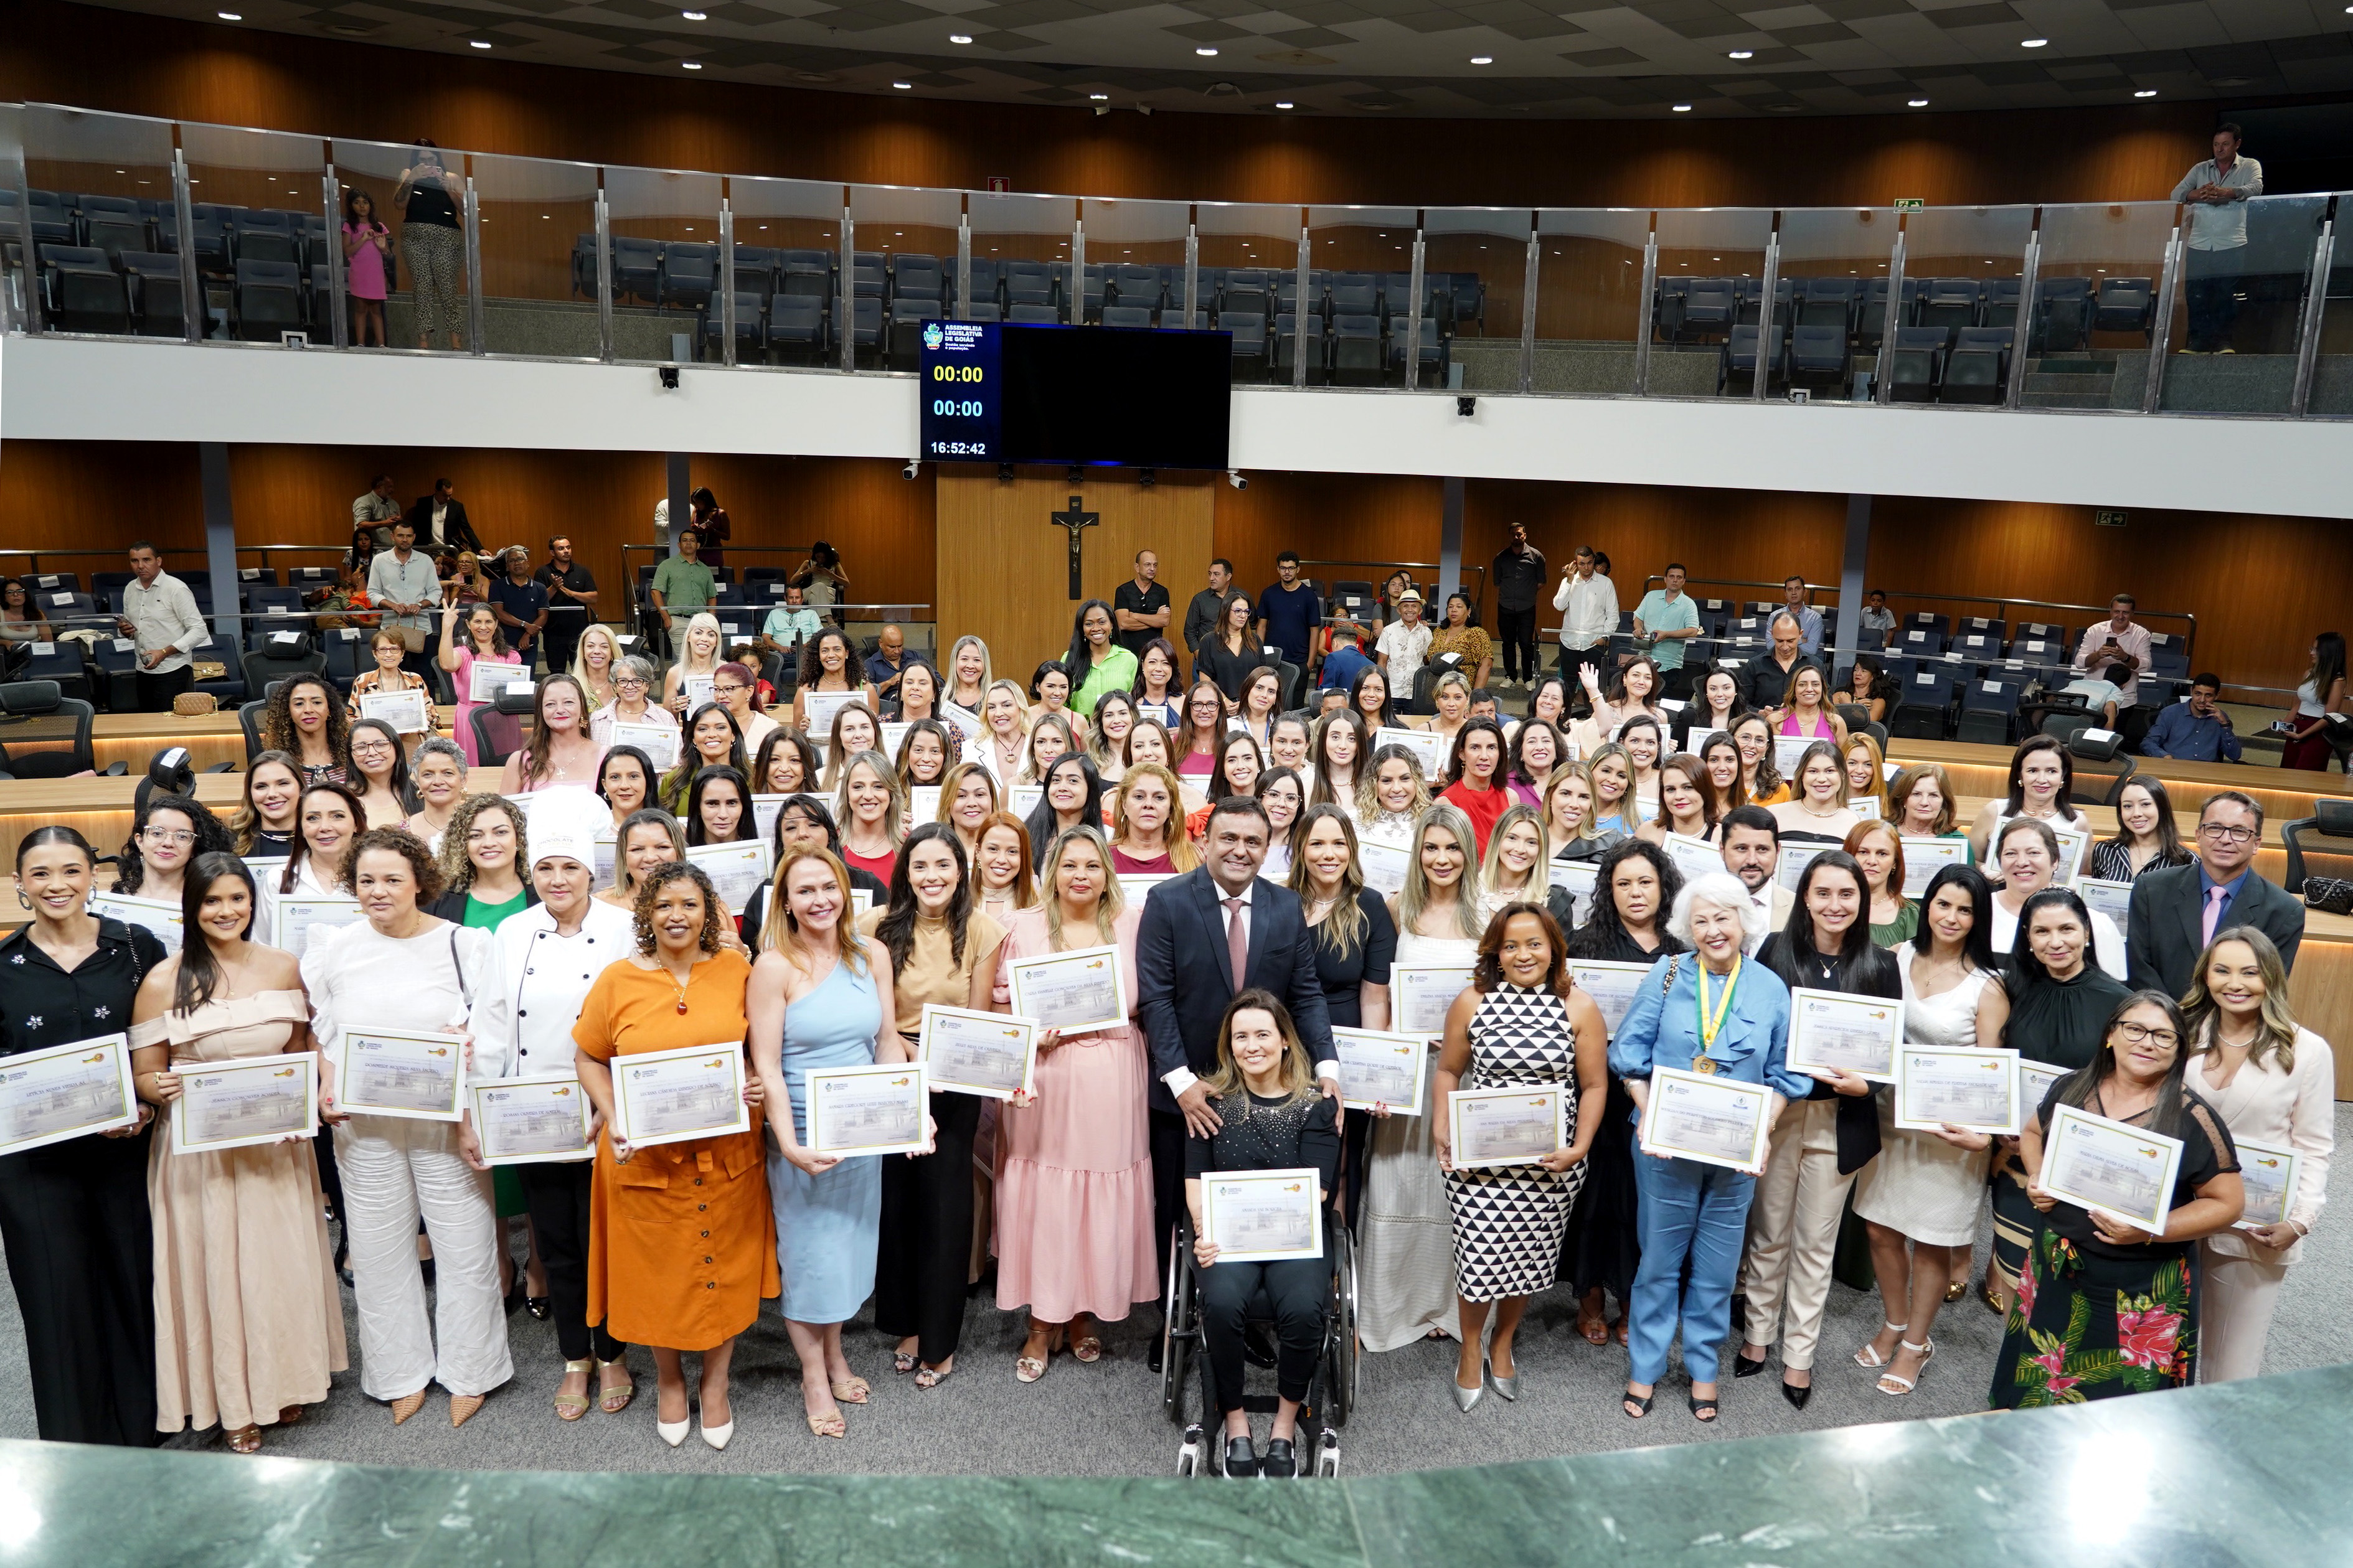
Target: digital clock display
[963,384]
[1041,392]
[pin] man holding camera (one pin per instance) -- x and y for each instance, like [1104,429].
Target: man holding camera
[2116,649]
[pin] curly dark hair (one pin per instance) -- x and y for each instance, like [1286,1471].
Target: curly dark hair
[458,867]
[277,726]
[662,876]
[130,869]
[406,844]
[1603,934]
[812,668]
[1488,974]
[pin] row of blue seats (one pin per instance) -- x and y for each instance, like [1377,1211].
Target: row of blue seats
[1929,365]
[84,289]
[2068,309]
[224,234]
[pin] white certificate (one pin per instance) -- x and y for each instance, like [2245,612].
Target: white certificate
[608,854]
[2074,843]
[1612,985]
[736,868]
[1507,1126]
[988,1054]
[2268,1172]
[963,720]
[1968,1089]
[66,1091]
[1788,750]
[2034,1081]
[657,741]
[532,1120]
[1579,878]
[1693,857]
[402,1072]
[1380,1068]
[1262,1217]
[492,677]
[893,736]
[158,915]
[2110,1168]
[1864,806]
[1428,746]
[696,690]
[1924,857]
[880,1109]
[1022,799]
[1831,1031]
[236,1104]
[1073,992]
[404,711]
[1420,995]
[862,903]
[821,706]
[1793,861]
[1717,1120]
[923,804]
[1137,885]
[670,1096]
[1384,865]
[2112,899]
[298,916]
[765,809]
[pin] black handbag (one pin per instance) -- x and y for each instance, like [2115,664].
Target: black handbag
[2330,895]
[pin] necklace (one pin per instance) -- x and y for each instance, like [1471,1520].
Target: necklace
[682,984]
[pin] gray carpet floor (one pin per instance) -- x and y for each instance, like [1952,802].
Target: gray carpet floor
[1106,1419]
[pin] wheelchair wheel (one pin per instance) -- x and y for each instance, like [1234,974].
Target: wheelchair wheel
[1178,1313]
[1345,1354]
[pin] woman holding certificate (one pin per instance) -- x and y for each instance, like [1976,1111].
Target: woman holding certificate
[1392,797]
[389,652]
[2273,1083]
[1818,1145]
[1713,1013]
[1405,1271]
[941,952]
[406,994]
[817,1000]
[1074,1218]
[1686,806]
[680,1244]
[632,703]
[825,665]
[2107,1306]
[1520,1024]
[699,649]
[484,643]
[1073,797]
[1927,1188]
[249,1323]
[74,1212]
[1474,777]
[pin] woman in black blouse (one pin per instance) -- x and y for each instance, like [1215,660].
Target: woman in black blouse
[73,1215]
[1229,653]
[1355,942]
[1272,1117]
[2105,1308]
[1820,1142]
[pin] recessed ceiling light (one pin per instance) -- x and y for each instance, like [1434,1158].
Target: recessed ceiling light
[238,16]
[1682,108]
[2151,92]
[1742,55]
[1483,59]
[1920,103]
[904,86]
[691,65]
[480,43]
[959,38]
[1282,106]
[1100,97]
[696,15]
[1205,51]
[2031,43]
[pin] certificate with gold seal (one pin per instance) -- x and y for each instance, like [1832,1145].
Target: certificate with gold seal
[1515,1126]
[534,1120]
[402,1072]
[1378,1068]
[66,1091]
[1262,1217]
[880,1109]
[1831,1031]
[992,1054]
[671,1097]
[1714,1119]
[238,1104]
[1073,992]
[2110,1167]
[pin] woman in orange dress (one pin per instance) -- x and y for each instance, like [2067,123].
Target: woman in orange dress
[682,1245]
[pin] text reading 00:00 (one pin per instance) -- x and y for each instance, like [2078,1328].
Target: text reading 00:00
[949,408]
[956,372]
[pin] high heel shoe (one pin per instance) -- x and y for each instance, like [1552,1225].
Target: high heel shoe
[463,1407]
[1507,1387]
[717,1437]
[1465,1398]
[406,1405]
[1796,1395]
[673,1432]
[1743,1367]
[1868,1354]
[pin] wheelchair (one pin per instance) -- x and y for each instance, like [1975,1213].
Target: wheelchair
[1187,1386]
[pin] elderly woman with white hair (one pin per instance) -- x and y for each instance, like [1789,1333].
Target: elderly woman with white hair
[1708,1010]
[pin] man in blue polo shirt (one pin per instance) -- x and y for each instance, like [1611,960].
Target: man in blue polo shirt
[2197,730]
[1288,611]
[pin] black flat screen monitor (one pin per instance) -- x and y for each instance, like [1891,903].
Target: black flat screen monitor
[1128,397]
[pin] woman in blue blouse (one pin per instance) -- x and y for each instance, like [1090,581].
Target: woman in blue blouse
[1693,1213]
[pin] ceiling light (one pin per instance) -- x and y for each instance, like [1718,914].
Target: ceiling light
[959,38]
[1100,97]
[1682,108]
[2151,92]
[237,16]
[904,86]
[696,15]
[1282,106]
[691,65]
[2031,43]
[1919,102]
[1483,59]
[480,43]
[1205,51]
[1742,55]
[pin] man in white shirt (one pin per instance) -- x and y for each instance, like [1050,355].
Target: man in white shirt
[1752,846]
[2217,192]
[2116,649]
[161,613]
[1589,605]
[377,510]
[403,583]
[1402,647]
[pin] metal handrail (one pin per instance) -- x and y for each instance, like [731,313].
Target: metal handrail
[2189,644]
[1383,568]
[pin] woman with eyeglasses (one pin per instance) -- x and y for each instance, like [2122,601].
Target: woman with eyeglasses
[633,680]
[389,653]
[168,832]
[2104,1307]
[380,774]
[1199,736]
[735,687]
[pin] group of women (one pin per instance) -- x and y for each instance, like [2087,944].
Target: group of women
[557,925]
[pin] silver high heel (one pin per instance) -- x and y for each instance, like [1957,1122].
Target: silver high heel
[1508,1387]
[1465,1398]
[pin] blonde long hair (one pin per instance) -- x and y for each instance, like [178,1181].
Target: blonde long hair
[1109,906]
[1415,898]
[848,946]
[1297,1073]
[1539,883]
[2203,1015]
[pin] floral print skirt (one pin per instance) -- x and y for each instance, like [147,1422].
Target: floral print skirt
[2083,1327]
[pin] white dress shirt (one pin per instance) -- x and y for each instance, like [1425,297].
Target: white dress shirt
[548,977]
[409,582]
[2133,640]
[1182,1077]
[1591,604]
[165,615]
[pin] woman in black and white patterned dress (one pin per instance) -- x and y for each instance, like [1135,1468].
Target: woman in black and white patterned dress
[1520,1023]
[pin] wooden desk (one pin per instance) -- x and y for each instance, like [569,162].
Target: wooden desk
[100,808]
[135,738]
[2284,794]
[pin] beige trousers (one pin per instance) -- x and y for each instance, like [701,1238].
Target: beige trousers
[1793,1231]
[2234,1314]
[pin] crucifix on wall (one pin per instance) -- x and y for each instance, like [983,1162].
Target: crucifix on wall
[1075,519]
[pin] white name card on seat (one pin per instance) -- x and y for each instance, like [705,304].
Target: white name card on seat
[2099,737]
[63,601]
[47,580]
[45,651]
[1924,679]
[124,645]
[1990,688]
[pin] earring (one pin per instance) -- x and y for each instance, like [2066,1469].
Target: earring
[23,900]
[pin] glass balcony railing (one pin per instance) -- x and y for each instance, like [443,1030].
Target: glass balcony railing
[119,225]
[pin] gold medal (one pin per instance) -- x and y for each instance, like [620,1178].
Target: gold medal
[1704,1066]
[1711,1018]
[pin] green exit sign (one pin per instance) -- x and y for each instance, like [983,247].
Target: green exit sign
[2108,520]
[1911,204]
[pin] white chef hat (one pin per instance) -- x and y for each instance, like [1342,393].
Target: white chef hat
[565,821]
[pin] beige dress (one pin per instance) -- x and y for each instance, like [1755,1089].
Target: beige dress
[248,1317]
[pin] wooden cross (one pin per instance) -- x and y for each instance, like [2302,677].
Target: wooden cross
[1075,519]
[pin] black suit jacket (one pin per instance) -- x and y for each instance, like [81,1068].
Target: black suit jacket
[2163,927]
[1184,983]
[455,529]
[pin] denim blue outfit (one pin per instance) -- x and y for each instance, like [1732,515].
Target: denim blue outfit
[1690,1211]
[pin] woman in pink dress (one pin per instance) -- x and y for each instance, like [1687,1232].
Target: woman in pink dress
[483,643]
[1074,1158]
[366,243]
[1802,710]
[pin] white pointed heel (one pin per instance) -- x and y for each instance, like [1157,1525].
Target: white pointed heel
[672,1432]
[717,1437]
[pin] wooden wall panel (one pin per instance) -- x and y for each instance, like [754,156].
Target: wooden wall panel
[1004,570]
[84,495]
[1357,517]
[61,53]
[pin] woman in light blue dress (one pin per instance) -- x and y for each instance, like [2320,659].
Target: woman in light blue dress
[817,1000]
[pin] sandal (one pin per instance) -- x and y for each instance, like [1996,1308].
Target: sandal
[1868,1354]
[1636,1406]
[245,1440]
[933,1376]
[1957,1290]
[615,1399]
[852,1391]
[1906,1384]
[1086,1348]
[1030,1368]
[1595,1330]
[901,1363]
[830,1426]
[406,1405]
[1702,1410]
[290,1415]
[572,1406]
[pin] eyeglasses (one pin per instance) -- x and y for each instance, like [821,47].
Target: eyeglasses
[178,837]
[630,683]
[2225,833]
[2134,1034]
[371,748]
[718,691]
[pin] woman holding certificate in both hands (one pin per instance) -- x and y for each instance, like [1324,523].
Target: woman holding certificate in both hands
[681,1246]
[248,1323]
[2106,1307]
[1713,1013]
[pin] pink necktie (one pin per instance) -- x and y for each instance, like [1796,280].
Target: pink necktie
[1237,943]
[2214,896]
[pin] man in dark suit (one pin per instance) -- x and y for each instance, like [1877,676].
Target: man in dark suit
[439,520]
[1765,680]
[1185,947]
[2176,912]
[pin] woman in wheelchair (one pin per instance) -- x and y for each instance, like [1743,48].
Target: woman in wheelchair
[1273,1118]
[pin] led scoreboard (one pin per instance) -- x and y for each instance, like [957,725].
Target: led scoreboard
[1022,393]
